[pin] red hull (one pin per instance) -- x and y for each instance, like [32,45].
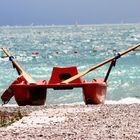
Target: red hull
[35,94]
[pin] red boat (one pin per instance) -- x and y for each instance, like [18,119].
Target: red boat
[30,92]
[35,94]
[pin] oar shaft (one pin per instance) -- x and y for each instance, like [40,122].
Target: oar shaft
[25,74]
[112,58]
[130,49]
[99,65]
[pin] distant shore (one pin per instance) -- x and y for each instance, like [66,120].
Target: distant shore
[59,122]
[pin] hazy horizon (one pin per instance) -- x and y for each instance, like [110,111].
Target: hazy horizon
[62,12]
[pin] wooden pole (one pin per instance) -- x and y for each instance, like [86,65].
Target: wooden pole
[25,74]
[99,65]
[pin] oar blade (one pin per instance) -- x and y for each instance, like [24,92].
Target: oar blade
[28,78]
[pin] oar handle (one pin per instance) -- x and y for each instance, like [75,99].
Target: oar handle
[11,59]
[99,65]
[130,49]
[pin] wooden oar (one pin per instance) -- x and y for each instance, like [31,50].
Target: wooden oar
[25,74]
[99,65]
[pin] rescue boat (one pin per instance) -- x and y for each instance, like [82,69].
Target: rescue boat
[35,93]
[27,91]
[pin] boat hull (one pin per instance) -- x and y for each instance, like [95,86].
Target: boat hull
[94,92]
[26,94]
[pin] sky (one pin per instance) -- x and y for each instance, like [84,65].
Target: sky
[67,12]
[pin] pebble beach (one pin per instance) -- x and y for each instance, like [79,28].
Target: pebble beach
[74,122]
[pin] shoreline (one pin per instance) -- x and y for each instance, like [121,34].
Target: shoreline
[108,121]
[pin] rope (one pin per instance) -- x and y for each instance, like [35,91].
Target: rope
[117,56]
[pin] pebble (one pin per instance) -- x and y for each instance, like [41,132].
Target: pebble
[76,122]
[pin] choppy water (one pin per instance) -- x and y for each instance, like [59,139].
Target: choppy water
[83,46]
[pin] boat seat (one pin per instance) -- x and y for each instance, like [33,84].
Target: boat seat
[60,74]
